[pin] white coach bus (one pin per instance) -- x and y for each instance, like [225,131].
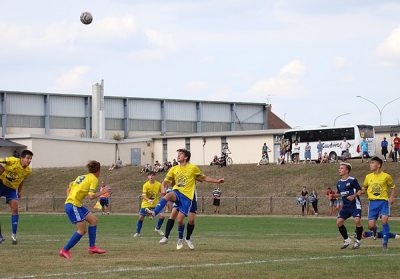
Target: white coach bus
[331,137]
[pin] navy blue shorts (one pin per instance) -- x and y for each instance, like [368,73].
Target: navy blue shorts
[76,214]
[347,212]
[378,208]
[9,193]
[104,202]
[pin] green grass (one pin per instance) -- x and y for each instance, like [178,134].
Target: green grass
[226,247]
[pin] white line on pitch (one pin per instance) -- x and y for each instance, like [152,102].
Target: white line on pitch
[158,268]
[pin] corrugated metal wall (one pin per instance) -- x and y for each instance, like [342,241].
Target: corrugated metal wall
[250,114]
[114,108]
[215,126]
[144,109]
[24,104]
[68,106]
[181,111]
[216,112]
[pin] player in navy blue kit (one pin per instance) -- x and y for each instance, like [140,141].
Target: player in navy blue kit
[349,190]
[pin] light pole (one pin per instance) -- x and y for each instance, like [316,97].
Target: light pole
[379,109]
[334,121]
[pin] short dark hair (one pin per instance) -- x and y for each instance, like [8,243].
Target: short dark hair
[377,159]
[151,173]
[186,152]
[26,152]
[347,165]
[93,166]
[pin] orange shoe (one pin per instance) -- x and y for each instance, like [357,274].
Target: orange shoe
[96,250]
[64,253]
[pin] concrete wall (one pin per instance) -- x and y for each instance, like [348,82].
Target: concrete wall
[157,151]
[67,153]
[173,145]
[247,150]
[73,133]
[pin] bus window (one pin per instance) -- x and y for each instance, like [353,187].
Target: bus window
[366,131]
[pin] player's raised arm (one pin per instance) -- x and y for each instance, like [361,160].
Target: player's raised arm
[209,179]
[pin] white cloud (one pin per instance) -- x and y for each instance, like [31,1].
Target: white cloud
[340,62]
[65,34]
[73,80]
[389,49]
[286,83]
[160,45]
[195,86]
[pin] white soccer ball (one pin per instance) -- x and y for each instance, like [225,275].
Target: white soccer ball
[86,18]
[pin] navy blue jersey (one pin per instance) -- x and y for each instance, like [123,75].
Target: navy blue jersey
[347,188]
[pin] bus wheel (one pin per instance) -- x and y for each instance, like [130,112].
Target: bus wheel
[333,156]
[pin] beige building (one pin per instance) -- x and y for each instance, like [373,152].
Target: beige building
[245,146]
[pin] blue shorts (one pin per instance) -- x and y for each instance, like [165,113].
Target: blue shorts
[193,208]
[182,202]
[347,212]
[104,202]
[365,154]
[378,208]
[307,155]
[76,214]
[9,193]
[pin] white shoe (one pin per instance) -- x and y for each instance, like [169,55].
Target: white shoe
[163,240]
[179,245]
[160,232]
[136,235]
[346,243]
[356,244]
[189,244]
[14,239]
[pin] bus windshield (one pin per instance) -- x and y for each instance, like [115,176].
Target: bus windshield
[366,131]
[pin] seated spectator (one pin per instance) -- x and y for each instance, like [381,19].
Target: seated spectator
[117,165]
[157,167]
[146,169]
[264,160]
[325,158]
[215,161]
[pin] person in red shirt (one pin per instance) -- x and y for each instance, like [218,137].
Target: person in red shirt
[329,196]
[396,146]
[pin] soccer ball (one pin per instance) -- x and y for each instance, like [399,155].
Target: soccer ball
[86,18]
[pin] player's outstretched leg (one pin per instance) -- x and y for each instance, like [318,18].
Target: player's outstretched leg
[343,232]
[168,228]
[14,220]
[139,223]
[91,219]
[157,229]
[359,234]
[385,235]
[2,239]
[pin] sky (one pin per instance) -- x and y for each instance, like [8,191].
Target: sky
[309,58]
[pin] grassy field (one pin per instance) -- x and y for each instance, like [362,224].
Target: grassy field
[226,247]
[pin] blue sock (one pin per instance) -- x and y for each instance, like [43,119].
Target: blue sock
[385,231]
[92,235]
[160,206]
[139,226]
[14,223]
[181,229]
[73,241]
[159,223]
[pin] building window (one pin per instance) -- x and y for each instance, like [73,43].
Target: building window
[165,150]
[187,143]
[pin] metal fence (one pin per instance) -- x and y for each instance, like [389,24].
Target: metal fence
[229,205]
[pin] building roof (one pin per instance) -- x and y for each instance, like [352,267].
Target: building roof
[387,129]
[9,143]
[274,121]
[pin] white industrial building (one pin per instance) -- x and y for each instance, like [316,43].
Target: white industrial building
[68,130]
